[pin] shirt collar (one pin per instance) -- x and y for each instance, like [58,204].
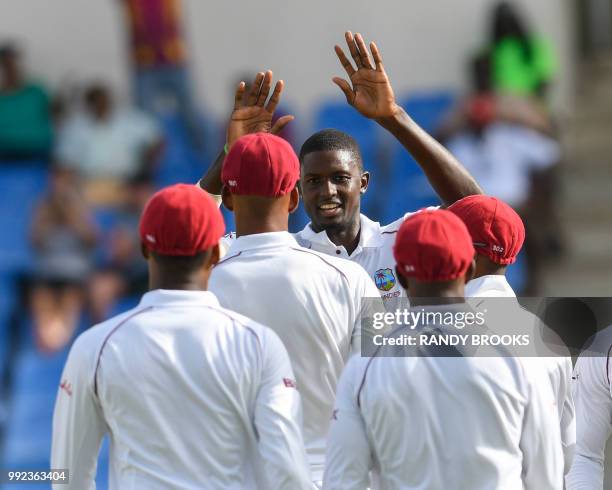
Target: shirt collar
[494,282]
[370,235]
[162,297]
[262,240]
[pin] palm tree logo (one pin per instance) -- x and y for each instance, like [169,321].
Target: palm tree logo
[384,279]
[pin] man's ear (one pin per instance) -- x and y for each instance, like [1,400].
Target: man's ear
[214,257]
[145,251]
[365,181]
[294,200]
[401,279]
[226,198]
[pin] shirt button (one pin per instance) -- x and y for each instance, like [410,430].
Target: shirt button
[338,252]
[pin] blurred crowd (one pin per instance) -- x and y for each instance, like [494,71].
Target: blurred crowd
[103,157]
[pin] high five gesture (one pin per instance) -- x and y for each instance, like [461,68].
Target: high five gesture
[370,91]
[251,114]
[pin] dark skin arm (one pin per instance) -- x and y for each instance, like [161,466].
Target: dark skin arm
[370,92]
[251,114]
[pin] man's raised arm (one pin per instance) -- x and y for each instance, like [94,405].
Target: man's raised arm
[251,114]
[371,93]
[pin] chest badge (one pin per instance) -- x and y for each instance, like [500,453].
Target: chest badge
[384,279]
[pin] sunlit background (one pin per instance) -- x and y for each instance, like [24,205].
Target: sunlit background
[91,123]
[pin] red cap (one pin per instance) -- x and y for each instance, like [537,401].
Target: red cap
[497,231]
[181,220]
[433,246]
[261,164]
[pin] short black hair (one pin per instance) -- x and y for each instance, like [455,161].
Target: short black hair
[332,140]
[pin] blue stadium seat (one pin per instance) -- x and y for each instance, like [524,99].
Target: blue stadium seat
[21,187]
[517,273]
[180,161]
[28,437]
[409,189]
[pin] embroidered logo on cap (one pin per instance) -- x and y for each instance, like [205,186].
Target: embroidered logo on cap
[151,238]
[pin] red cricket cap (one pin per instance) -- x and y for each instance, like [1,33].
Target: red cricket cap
[497,230]
[181,220]
[261,164]
[433,246]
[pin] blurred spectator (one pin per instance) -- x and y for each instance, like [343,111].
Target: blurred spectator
[64,238]
[25,112]
[159,60]
[505,143]
[124,269]
[108,146]
[523,64]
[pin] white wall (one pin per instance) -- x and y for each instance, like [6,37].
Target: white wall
[424,42]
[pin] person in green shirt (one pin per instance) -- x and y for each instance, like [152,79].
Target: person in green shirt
[25,116]
[523,64]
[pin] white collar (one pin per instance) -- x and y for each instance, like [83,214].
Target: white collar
[370,235]
[487,284]
[162,297]
[262,240]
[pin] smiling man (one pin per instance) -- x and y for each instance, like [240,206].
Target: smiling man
[333,178]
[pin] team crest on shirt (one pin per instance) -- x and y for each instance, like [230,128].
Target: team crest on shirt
[384,279]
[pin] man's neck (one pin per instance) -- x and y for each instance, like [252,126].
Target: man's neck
[346,237]
[268,225]
[178,284]
[439,300]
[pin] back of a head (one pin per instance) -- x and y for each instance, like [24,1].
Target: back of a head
[433,252]
[497,231]
[332,140]
[259,173]
[180,224]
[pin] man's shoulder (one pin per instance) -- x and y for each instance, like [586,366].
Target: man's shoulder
[394,226]
[92,339]
[348,268]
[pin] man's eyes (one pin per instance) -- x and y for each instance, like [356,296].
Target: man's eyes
[342,179]
[337,179]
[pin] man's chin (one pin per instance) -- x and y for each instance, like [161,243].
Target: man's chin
[330,222]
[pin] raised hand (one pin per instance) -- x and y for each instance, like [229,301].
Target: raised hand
[371,92]
[251,114]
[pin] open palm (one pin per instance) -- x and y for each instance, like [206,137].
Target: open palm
[251,114]
[370,90]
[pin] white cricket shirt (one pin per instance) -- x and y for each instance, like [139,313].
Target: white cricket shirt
[313,302]
[440,423]
[491,286]
[593,397]
[192,395]
[557,369]
[374,253]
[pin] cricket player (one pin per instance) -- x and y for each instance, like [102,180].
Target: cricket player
[441,423]
[498,234]
[315,303]
[333,178]
[593,398]
[191,394]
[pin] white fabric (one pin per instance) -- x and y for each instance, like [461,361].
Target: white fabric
[108,149]
[193,396]
[593,398]
[313,302]
[493,286]
[554,370]
[438,423]
[374,253]
[503,158]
